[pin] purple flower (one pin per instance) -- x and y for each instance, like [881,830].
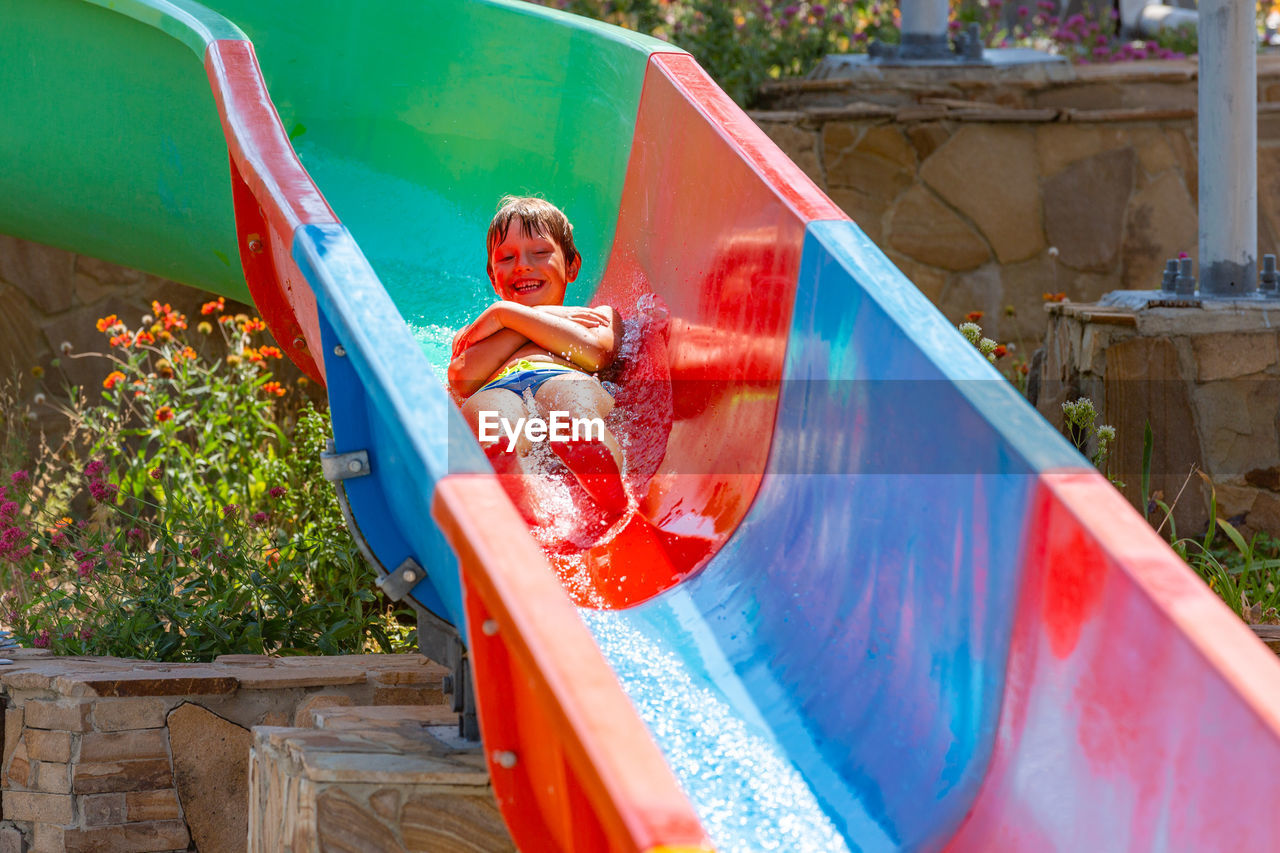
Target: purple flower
[95,468]
[229,510]
[1023,11]
[259,518]
[19,477]
[277,491]
[41,641]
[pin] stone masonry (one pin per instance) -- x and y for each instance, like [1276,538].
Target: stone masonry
[376,780]
[989,189]
[107,754]
[1205,376]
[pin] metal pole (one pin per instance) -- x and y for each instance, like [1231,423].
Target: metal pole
[924,29]
[1228,127]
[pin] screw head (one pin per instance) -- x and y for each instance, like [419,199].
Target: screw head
[504,758]
[355,466]
[339,350]
[489,627]
[255,244]
[409,576]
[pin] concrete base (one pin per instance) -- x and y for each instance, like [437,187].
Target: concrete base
[1202,372]
[860,65]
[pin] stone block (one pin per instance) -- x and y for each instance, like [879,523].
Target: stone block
[881,164]
[1160,223]
[38,808]
[927,231]
[101,777]
[1229,355]
[385,803]
[19,772]
[63,716]
[129,838]
[102,809]
[11,840]
[1084,208]
[303,716]
[1236,420]
[48,745]
[21,346]
[12,732]
[344,824]
[927,137]
[211,767]
[406,695]
[113,715]
[1154,152]
[455,823]
[52,777]
[42,272]
[122,746]
[156,805]
[46,838]
[148,680]
[989,173]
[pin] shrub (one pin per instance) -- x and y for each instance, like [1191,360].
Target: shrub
[184,515]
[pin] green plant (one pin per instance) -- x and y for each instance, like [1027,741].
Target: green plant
[1090,437]
[185,515]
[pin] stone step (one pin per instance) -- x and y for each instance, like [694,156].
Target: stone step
[372,778]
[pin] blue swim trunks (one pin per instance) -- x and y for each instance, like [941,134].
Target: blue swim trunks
[527,375]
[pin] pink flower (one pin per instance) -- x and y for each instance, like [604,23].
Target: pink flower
[259,518]
[42,640]
[277,491]
[19,477]
[95,468]
[229,510]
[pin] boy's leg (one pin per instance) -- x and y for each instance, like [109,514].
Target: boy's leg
[509,466]
[596,463]
[495,406]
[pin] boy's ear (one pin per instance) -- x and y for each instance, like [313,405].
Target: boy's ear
[571,271]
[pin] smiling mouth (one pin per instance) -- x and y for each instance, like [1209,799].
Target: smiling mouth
[527,285]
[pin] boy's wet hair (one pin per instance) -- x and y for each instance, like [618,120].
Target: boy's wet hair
[537,216]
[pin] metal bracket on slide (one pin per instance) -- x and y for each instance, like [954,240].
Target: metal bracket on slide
[437,639]
[344,466]
[396,585]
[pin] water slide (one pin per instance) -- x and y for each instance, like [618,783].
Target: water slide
[866,600]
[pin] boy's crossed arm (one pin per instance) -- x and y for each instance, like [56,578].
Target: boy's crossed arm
[587,337]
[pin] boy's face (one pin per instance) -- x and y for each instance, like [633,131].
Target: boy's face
[530,268]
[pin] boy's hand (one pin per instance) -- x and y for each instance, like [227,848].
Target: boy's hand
[585,317]
[488,323]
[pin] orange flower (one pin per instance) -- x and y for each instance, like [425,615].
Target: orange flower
[122,340]
[271,352]
[1055,297]
[165,368]
[107,322]
[212,307]
[974,316]
[1000,351]
[273,388]
[144,338]
[113,378]
[252,354]
[251,325]
[227,320]
[185,353]
[164,413]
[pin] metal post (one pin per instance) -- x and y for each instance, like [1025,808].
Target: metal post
[924,29]
[1228,124]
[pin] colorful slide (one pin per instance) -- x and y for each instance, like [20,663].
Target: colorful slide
[867,599]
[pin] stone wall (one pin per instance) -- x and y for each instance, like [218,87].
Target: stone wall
[1205,376]
[990,189]
[109,754]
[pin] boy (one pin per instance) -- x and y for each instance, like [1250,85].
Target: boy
[530,343]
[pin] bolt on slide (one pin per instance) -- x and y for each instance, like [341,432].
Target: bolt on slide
[862,596]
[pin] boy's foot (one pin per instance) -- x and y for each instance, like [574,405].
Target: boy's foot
[593,466]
